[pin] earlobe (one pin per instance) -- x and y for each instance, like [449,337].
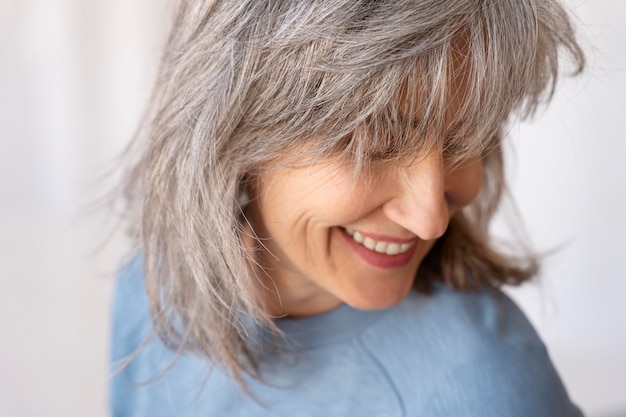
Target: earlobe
[243,198]
[248,186]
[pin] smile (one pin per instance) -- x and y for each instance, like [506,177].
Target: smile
[379,246]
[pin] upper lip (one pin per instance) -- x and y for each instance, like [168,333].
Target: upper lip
[384,238]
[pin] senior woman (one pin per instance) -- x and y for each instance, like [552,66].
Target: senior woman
[311,197]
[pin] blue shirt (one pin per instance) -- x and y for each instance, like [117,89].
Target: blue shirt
[445,354]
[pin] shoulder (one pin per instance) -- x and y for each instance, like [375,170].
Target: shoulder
[131,324]
[472,354]
[148,378]
[131,321]
[132,358]
[479,320]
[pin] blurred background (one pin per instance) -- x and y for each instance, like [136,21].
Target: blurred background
[74,76]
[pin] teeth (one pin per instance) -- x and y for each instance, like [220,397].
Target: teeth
[380,247]
[389,248]
[393,249]
[369,243]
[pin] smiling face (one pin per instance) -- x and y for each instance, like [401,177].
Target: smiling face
[329,238]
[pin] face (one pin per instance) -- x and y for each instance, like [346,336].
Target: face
[329,238]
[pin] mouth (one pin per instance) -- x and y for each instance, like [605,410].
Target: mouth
[381,252]
[379,246]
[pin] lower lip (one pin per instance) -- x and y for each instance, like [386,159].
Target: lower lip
[380,260]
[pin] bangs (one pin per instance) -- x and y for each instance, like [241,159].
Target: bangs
[446,84]
[437,107]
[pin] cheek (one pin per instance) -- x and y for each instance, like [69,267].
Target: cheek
[464,183]
[323,195]
[294,202]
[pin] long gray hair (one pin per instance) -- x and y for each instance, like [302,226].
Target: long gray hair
[244,81]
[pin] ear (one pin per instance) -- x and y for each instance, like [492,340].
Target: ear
[247,188]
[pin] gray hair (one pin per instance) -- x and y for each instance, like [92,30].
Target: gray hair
[244,82]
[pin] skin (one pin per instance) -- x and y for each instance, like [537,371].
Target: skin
[308,264]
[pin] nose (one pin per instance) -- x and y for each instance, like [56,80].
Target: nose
[418,198]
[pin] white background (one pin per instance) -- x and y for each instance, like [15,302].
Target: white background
[74,75]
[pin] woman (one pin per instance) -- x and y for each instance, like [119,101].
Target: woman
[312,196]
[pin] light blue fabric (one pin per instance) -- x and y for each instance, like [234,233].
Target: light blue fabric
[448,354]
